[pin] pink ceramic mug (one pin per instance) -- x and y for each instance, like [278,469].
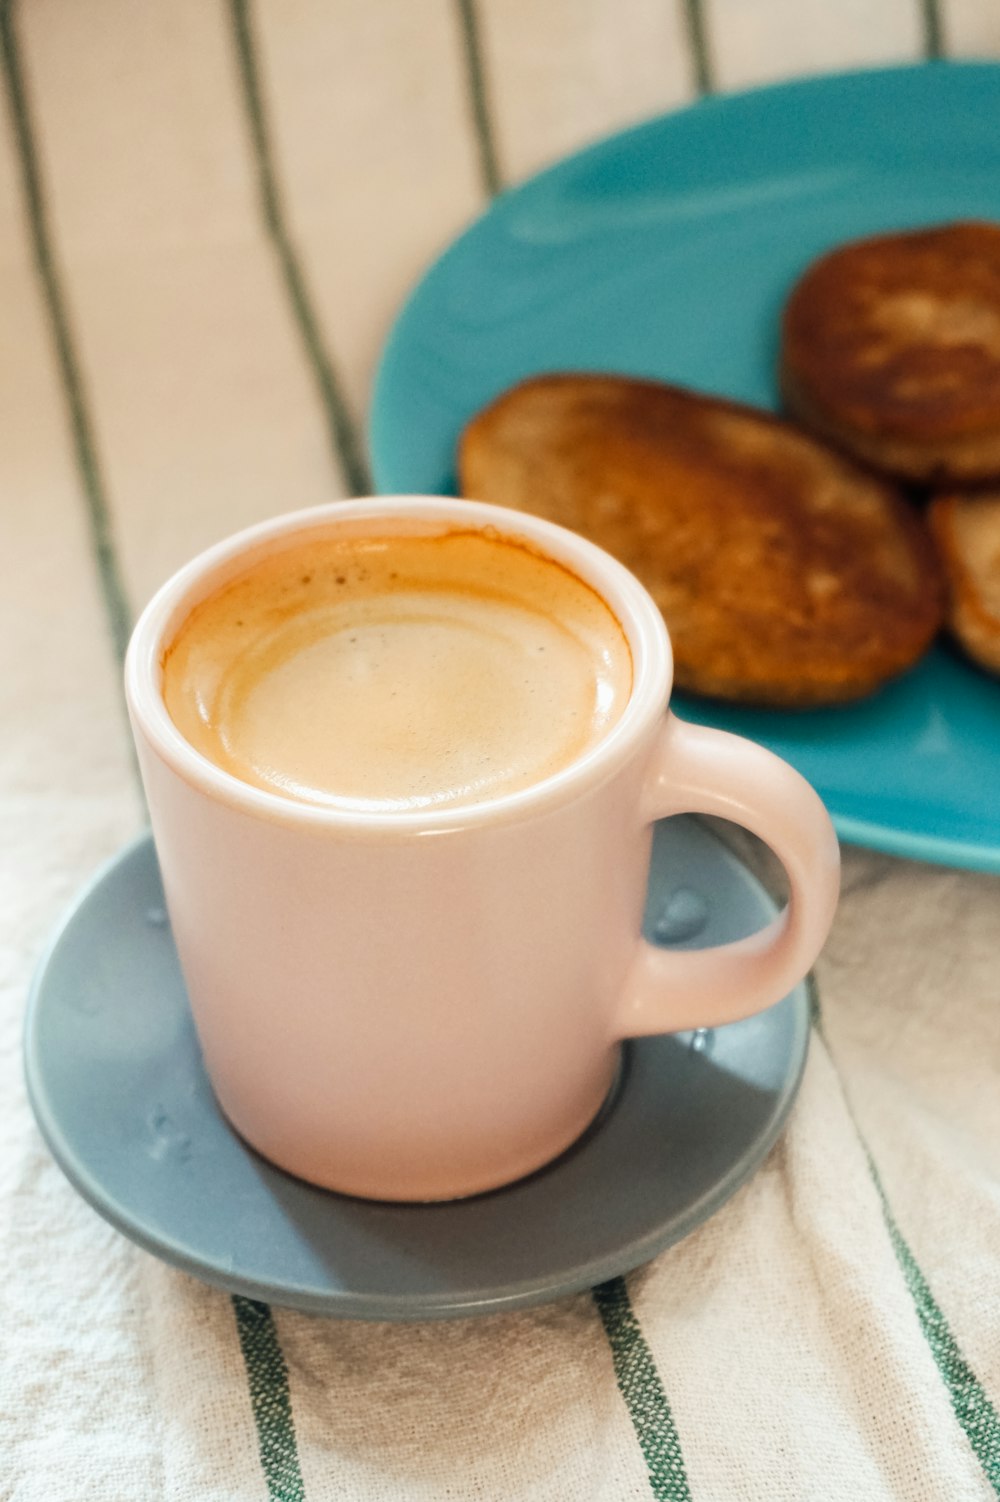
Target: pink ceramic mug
[427,1005]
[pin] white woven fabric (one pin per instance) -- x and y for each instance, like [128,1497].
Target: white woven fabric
[807,1342]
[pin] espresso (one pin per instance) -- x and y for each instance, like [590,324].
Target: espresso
[391,673]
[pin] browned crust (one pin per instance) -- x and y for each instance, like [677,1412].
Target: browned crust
[890,348]
[970,619]
[787,574]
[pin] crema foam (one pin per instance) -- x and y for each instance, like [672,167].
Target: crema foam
[392,673]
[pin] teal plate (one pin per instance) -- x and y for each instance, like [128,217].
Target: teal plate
[667,251]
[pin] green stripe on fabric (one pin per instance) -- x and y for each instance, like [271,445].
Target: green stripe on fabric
[973,1409]
[342,433]
[933,31]
[976,1414]
[46,269]
[697,37]
[642,1390]
[475,70]
[271,1400]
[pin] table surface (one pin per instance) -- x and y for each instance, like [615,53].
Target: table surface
[208,218]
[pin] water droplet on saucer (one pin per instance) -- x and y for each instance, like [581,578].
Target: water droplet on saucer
[157,917]
[683,916]
[166,1139]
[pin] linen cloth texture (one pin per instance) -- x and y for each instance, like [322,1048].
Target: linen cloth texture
[209,214]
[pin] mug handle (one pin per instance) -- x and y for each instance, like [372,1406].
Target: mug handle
[700,771]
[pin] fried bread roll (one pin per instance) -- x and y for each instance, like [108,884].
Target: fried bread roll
[787,575]
[966,529]
[890,349]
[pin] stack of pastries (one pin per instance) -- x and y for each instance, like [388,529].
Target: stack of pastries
[805,560]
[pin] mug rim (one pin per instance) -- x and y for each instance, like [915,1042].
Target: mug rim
[633,608]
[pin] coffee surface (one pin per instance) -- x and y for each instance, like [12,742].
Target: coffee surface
[392,673]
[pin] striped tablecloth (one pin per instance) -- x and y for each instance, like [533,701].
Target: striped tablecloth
[208,213]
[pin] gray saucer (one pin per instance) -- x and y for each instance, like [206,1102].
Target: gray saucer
[117,1084]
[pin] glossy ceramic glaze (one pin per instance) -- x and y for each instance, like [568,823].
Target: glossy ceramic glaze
[478,1037]
[668,251]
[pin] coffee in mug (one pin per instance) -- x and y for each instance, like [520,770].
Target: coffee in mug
[398,672]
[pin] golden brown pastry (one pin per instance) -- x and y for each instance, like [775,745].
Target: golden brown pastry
[890,349]
[787,575]
[966,529]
